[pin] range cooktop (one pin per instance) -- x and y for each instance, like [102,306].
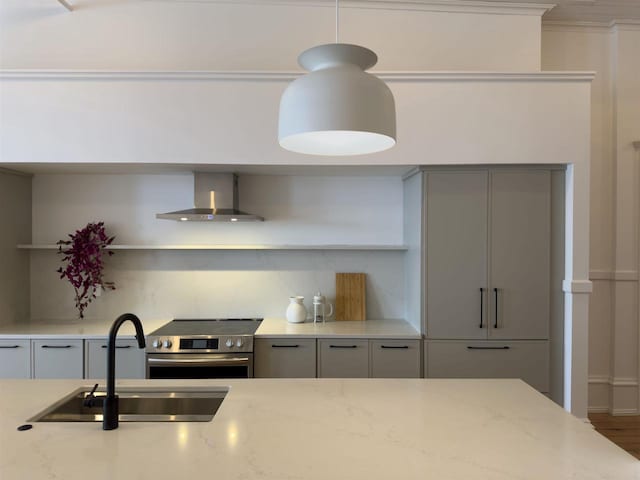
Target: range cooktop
[209,326]
[204,335]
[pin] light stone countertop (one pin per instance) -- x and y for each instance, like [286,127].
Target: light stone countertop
[270,327]
[73,329]
[279,327]
[318,429]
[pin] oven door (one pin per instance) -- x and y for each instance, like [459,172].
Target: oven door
[192,365]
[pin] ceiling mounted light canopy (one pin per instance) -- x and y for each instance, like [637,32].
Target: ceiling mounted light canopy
[338,108]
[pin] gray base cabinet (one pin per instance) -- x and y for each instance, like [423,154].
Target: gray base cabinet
[130,360]
[57,358]
[284,358]
[336,358]
[395,358]
[527,360]
[15,359]
[343,358]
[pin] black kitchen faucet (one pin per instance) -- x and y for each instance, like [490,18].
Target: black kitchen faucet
[110,403]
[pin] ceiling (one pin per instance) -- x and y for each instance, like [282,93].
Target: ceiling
[600,11]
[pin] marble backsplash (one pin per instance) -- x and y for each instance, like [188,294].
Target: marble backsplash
[171,284]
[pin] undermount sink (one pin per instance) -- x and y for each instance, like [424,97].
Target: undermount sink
[140,404]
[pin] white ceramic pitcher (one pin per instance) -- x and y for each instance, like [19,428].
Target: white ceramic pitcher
[296,311]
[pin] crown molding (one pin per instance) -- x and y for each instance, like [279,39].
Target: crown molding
[258,76]
[9,171]
[575,25]
[633,25]
[449,6]
[587,25]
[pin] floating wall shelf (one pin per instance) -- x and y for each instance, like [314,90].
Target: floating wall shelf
[233,247]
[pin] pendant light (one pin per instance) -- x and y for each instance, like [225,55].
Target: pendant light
[338,108]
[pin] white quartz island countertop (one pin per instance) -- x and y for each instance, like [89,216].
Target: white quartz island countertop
[318,429]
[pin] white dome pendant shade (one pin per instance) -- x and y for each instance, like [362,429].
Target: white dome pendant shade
[338,108]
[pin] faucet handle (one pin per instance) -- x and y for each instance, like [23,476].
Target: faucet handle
[91,400]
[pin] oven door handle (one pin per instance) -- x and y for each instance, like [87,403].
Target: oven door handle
[201,362]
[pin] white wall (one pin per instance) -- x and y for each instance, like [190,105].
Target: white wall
[615,96]
[297,209]
[15,228]
[262,35]
[181,118]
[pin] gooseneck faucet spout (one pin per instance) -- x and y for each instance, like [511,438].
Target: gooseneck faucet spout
[110,405]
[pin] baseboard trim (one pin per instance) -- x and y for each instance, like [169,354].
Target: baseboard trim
[621,412]
[598,409]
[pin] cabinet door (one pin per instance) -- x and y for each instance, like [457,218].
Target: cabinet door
[520,219]
[284,358]
[15,359]
[343,358]
[130,360]
[395,358]
[57,358]
[527,360]
[456,255]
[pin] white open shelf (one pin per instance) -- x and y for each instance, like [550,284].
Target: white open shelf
[232,247]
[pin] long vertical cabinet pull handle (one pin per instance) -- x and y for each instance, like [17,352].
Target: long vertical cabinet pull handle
[481,304]
[495,292]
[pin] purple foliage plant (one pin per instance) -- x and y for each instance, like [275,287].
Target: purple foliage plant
[82,262]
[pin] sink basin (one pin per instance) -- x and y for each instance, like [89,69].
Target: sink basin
[140,404]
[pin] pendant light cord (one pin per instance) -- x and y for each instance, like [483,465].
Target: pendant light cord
[337,21]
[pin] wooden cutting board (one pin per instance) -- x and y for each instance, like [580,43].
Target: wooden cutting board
[351,296]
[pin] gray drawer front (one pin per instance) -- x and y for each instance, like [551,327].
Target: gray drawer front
[58,358]
[343,358]
[15,359]
[129,359]
[395,358]
[528,360]
[284,358]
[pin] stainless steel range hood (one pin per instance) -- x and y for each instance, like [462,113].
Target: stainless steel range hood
[215,200]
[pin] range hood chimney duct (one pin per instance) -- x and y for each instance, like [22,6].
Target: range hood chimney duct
[216,199]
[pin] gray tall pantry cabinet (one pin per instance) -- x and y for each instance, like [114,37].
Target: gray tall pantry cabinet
[486,252]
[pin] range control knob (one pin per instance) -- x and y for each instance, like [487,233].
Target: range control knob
[156,343]
[229,342]
[239,343]
[167,343]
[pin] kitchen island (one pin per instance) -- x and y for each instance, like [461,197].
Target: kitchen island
[318,429]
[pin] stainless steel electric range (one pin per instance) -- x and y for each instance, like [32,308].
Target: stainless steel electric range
[202,348]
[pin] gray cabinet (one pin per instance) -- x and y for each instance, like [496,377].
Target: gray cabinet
[520,255]
[15,359]
[456,247]
[488,246]
[284,358]
[130,360]
[343,358]
[527,360]
[395,358]
[58,358]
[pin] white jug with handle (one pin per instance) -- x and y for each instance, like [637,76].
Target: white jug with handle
[320,305]
[296,311]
